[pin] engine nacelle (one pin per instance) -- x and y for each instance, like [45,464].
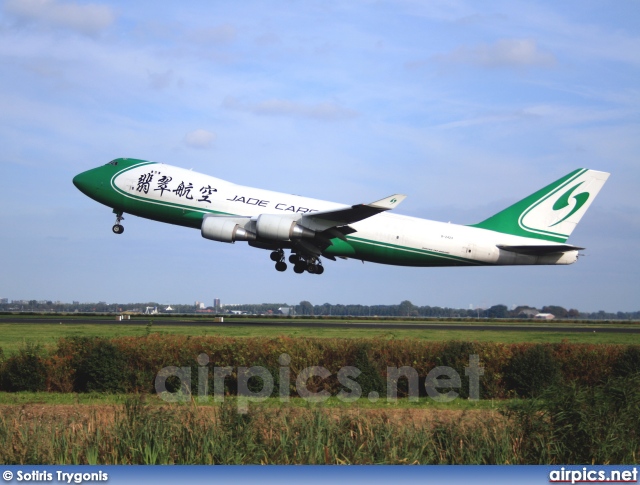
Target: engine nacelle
[276,227]
[224,229]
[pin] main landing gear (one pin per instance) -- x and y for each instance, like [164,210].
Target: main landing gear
[300,264]
[117,227]
[278,257]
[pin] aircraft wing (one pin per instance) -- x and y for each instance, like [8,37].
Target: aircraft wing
[323,220]
[539,249]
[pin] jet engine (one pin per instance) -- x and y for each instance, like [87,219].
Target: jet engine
[276,227]
[225,229]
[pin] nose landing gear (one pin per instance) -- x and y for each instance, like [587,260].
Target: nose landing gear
[117,227]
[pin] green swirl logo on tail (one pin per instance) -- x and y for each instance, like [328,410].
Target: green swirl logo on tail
[563,201]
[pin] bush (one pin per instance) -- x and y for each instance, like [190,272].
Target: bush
[628,363]
[369,379]
[25,371]
[456,355]
[570,423]
[530,372]
[101,368]
[255,384]
[509,369]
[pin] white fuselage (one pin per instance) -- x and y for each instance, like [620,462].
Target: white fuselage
[385,233]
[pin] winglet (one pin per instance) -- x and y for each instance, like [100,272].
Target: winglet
[388,203]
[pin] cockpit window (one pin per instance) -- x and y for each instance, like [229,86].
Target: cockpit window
[113,162]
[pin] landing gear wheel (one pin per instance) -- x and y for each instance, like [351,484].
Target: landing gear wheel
[294,259]
[281,266]
[320,269]
[298,269]
[118,228]
[312,268]
[276,256]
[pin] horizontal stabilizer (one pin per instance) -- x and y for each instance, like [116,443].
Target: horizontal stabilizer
[541,249]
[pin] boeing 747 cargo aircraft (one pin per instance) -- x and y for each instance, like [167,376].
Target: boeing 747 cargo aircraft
[531,231]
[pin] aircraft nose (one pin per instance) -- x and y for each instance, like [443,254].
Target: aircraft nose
[83,181]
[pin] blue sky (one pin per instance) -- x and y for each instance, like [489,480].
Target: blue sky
[465,107]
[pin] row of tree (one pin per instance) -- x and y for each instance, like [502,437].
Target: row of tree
[306,308]
[408,309]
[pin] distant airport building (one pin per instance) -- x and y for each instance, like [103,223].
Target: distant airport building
[286,310]
[216,304]
[545,316]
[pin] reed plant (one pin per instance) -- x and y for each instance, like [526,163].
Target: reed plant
[566,424]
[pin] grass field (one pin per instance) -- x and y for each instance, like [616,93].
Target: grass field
[137,432]
[15,334]
[102,428]
[102,399]
[140,434]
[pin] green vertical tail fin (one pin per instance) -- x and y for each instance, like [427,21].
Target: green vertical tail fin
[553,212]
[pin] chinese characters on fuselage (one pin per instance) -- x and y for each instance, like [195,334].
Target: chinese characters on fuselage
[183,190]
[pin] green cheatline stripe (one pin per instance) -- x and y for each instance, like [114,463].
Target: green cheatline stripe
[553,192]
[166,204]
[415,250]
[355,239]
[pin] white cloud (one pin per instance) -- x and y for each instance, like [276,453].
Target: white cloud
[509,53]
[326,111]
[199,139]
[588,39]
[549,114]
[89,19]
